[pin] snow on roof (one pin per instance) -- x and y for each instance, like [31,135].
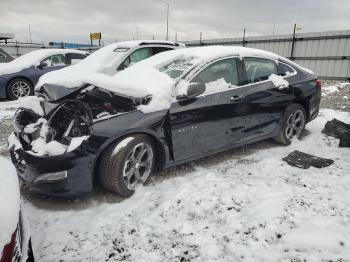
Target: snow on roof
[33,59]
[9,201]
[145,78]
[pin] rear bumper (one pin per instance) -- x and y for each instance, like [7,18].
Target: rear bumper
[314,107]
[76,167]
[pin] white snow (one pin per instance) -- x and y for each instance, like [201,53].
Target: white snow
[243,205]
[278,81]
[76,142]
[32,59]
[40,147]
[122,144]
[33,103]
[9,201]
[144,78]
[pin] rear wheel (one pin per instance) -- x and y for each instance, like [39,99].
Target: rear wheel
[126,164]
[292,124]
[19,87]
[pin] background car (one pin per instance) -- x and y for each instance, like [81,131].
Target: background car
[5,57]
[18,77]
[15,243]
[169,109]
[110,59]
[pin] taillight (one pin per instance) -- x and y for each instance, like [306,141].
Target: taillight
[318,83]
[7,253]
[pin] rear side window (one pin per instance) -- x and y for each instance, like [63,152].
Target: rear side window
[73,58]
[284,70]
[259,69]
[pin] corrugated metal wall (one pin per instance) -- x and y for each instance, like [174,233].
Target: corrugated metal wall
[325,53]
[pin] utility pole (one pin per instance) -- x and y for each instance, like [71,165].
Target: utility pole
[200,38]
[293,43]
[243,41]
[273,30]
[30,34]
[137,33]
[167,22]
[176,37]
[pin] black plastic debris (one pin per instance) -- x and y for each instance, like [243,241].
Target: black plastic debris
[340,130]
[303,160]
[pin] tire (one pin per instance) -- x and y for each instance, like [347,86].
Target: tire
[117,161]
[19,87]
[290,126]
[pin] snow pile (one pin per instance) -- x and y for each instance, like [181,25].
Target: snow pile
[9,201]
[244,205]
[331,89]
[278,81]
[32,59]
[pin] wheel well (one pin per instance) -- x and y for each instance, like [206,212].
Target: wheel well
[306,107]
[160,152]
[19,77]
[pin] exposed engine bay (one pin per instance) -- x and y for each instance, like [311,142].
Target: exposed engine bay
[66,123]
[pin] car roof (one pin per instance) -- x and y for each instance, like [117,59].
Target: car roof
[135,43]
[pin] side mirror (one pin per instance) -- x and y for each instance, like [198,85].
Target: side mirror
[42,65]
[193,90]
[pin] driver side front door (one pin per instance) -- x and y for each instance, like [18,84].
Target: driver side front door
[213,121]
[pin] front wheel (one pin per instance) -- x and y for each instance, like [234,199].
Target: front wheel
[19,87]
[126,164]
[292,124]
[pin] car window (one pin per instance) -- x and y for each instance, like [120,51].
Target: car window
[225,70]
[137,56]
[259,69]
[284,70]
[73,58]
[157,50]
[55,60]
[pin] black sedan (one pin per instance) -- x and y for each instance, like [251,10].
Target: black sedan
[169,109]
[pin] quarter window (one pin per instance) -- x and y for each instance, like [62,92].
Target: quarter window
[259,69]
[284,70]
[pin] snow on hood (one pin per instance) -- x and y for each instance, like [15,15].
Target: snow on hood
[143,78]
[32,59]
[9,201]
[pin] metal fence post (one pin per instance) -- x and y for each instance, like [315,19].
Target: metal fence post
[293,43]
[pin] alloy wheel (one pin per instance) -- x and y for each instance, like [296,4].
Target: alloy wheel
[295,124]
[20,89]
[138,165]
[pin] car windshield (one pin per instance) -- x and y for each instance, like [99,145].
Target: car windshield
[106,55]
[175,69]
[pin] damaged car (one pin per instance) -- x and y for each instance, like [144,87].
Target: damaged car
[172,108]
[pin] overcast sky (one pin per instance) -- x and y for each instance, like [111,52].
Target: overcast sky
[72,20]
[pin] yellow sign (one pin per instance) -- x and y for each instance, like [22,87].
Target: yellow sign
[95,36]
[298,28]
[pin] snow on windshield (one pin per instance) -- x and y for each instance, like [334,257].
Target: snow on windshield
[32,59]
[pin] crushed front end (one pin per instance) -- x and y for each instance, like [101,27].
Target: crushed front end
[51,144]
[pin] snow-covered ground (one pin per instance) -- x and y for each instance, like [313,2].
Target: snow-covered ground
[242,205]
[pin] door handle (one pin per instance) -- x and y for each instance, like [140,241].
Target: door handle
[236,98]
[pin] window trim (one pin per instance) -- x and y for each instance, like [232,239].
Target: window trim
[294,71]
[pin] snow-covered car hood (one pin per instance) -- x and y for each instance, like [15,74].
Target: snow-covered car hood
[9,201]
